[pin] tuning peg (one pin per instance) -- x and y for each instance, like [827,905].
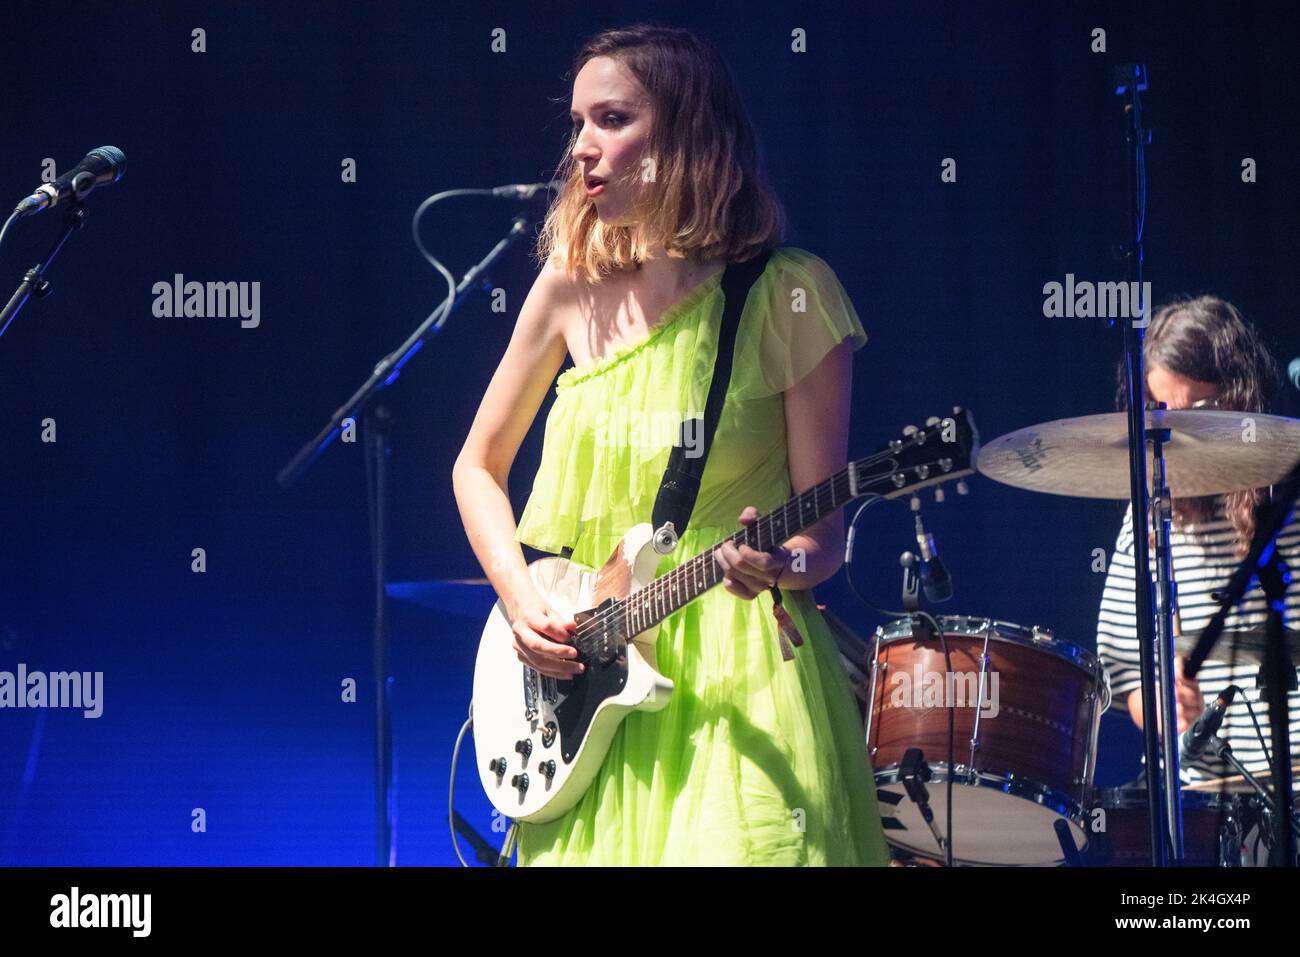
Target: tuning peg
[962,489]
[915,502]
[932,421]
[910,430]
[938,493]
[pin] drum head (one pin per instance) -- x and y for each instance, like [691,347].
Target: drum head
[991,827]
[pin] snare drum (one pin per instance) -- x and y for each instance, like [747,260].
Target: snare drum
[1027,711]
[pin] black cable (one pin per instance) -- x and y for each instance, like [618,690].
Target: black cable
[3,230]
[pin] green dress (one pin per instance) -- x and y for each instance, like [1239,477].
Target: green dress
[755,760]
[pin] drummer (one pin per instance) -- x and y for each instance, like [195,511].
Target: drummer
[1200,353]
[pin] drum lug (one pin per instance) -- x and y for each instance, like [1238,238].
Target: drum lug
[877,672]
[983,685]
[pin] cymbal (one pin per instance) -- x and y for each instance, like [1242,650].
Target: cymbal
[1210,451]
[1235,784]
[1245,647]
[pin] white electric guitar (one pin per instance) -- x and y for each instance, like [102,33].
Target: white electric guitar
[539,741]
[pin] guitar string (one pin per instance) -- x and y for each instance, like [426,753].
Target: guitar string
[663,587]
[678,575]
[689,571]
[684,574]
[675,575]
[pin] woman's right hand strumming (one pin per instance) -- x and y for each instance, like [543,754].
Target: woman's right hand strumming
[544,640]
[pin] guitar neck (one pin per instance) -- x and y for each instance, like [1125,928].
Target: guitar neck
[918,459]
[679,587]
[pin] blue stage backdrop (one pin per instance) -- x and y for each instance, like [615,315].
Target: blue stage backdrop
[128,441]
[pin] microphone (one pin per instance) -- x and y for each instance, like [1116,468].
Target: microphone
[935,580]
[527,190]
[915,771]
[1207,725]
[99,168]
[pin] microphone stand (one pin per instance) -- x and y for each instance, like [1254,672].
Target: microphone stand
[1165,816]
[376,426]
[1278,671]
[1222,750]
[34,282]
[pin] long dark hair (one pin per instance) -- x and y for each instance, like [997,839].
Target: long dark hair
[1206,339]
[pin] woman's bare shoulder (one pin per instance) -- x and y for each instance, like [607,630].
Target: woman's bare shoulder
[562,290]
[575,299]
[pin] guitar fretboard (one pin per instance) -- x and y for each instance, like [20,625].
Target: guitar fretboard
[683,584]
[921,457]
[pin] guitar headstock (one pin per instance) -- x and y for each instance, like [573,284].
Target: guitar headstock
[943,451]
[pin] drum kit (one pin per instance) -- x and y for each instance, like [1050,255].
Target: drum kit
[1025,706]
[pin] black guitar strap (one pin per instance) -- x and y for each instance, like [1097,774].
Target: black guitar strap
[681,482]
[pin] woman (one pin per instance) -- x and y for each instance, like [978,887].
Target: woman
[756,760]
[1199,353]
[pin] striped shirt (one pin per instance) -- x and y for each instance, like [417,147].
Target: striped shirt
[1202,560]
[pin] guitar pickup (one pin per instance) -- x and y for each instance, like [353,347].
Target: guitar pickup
[530,693]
